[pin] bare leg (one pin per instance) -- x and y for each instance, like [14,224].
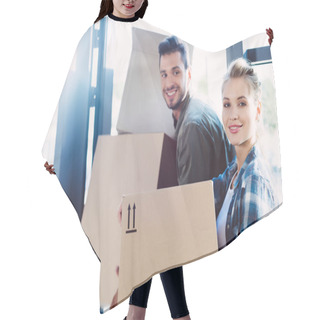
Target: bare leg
[136,313]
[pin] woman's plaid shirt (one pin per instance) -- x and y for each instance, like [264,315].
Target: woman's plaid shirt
[253,196]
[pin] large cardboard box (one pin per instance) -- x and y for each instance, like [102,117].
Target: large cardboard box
[130,163]
[164,229]
[159,229]
[123,164]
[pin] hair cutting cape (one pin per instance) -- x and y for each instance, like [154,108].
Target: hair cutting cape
[112,141]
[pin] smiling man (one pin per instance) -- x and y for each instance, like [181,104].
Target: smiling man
[203,150]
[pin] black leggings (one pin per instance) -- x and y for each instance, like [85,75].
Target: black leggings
[172,281]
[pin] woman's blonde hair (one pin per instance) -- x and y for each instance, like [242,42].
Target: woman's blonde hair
[241,68]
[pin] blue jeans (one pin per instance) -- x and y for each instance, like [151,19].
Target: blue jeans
[172,281]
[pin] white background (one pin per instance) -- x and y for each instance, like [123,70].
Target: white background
[48,269]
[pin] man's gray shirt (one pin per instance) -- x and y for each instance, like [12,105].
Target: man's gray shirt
[203,150]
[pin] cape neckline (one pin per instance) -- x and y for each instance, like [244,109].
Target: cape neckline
[113,17]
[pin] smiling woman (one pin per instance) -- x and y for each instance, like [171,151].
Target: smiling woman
[241,112]
[243,193]
[126,8]
[123,9]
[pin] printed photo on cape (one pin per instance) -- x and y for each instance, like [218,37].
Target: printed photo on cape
[116,140]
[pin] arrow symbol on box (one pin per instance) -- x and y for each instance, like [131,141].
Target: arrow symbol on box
[134,215]
[129,216]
